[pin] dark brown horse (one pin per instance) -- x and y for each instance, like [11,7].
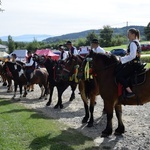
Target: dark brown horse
[39,76]
[53,68]
[6,77]
[87,85]
[104,66]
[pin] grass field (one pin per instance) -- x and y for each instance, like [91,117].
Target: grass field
[25,129]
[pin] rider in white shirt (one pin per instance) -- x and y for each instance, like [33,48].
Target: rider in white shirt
[72,49]
[63,55]
[95,46]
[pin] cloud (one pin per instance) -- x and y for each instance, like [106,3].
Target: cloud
[66,16]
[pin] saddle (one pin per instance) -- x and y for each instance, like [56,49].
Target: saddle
[137,78]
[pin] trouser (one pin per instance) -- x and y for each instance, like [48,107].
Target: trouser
[126,70]
[28,74]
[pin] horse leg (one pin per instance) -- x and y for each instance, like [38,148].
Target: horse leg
[59,103]
[73,88]
[20,87]
[121,128]
[42,91]
[92,103]
[46,91]
[86,117]
[15,89]
[85,101]
[25,91]
[50,97]
[9,86]
[109,111]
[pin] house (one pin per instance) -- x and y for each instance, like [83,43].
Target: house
[21,54]
[3,48]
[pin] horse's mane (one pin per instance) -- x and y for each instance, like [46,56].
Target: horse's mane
[107,59]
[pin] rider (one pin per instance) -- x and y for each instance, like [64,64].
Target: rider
[63,54]
[130,61]
[96,47]
[72,49]
[14,58]
[29,66]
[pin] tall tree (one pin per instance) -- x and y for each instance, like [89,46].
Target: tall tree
[92,35]
[147,31]
[11,44]
[106,36]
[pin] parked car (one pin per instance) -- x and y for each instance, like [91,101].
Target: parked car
[118,52]
[145,47]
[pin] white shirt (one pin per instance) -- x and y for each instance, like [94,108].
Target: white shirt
[65,55]
[132,54]
[75,52]
[98,50]
[30,63]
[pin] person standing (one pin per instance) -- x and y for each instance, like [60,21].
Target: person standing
[130,61]
[96,47]
[72,49]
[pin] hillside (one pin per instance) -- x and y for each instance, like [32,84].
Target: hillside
[27,37]
[83,34]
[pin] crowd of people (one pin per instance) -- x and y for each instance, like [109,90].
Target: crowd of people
[127,62]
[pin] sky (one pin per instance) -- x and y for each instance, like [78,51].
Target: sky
[58,17]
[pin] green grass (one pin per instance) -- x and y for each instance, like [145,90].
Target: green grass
[25,129]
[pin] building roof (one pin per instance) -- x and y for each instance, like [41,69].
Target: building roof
[3,46]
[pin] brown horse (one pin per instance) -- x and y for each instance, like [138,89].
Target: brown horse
[104,66]
[88,87]
[7,78]
[39,76]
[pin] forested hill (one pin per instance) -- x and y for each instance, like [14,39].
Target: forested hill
[83,34]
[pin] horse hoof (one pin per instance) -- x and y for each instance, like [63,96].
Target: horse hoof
[106,133]
[89,125]
[119,131]
[84,120]
[61,106]
[48,104]
[56,106]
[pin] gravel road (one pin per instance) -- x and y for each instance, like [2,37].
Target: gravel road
[136,120]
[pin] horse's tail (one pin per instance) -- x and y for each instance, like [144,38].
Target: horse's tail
[89,86]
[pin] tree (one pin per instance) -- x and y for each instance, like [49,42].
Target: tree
[106,36]
[90,37]
[33,46]
[11,44]
[147,31]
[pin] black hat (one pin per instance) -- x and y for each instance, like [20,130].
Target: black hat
[68,43]
[14,55]
[61,47]
[95,41]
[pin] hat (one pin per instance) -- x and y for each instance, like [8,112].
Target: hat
[14,55]
[61,47]
[95,41]
[68,43]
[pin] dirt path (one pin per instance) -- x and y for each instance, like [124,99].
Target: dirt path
[136,120]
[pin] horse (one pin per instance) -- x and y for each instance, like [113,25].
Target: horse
[104,66]
[7,78]
[53,68]
[74,67]
[39,76]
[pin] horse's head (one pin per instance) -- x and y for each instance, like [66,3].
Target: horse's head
[102,61]
[71,67]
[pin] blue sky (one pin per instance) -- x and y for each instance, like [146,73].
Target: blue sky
[57,17]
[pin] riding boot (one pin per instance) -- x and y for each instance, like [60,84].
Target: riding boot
[130,95]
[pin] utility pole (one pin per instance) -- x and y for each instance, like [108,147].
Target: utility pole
[127,23]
